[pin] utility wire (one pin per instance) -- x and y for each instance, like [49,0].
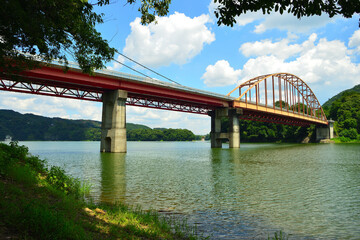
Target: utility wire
[132,69]
[143,67]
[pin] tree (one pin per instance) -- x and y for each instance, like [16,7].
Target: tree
[228,10]
[53,29]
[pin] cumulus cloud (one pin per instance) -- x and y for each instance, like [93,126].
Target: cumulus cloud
[318,62]
[198,124]
[50,106]
[354,41]
[289,22]
[117,64]
[282,49]
[220,74]
[275,20]
[174,39]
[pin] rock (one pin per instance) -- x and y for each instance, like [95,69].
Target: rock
[306,140]
[327,141]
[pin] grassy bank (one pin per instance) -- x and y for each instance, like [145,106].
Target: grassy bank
[41,202]
[345,140]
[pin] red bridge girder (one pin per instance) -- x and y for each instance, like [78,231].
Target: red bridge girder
[65,91]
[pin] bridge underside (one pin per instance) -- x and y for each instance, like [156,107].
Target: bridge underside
[95,94]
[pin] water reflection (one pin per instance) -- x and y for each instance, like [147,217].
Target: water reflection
[113,178]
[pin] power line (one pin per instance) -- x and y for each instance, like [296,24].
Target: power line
[143,67]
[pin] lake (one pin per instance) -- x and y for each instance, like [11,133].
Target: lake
[310,191]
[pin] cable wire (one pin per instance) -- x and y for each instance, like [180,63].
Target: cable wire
[143,67]
[132,69]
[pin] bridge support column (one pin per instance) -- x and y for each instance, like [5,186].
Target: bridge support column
[327,132]
[234,130]
[216,136]
[113,126]
[215,128]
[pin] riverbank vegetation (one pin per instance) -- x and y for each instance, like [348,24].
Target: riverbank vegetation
[30,127]
[346,113]
[41,202]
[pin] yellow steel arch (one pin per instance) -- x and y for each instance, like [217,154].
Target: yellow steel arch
[301,87]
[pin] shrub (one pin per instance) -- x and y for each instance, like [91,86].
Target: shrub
[344,139]
[58,179]
[349,133]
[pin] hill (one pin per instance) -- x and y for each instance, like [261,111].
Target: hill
[329,102]
[346,112]
[30,127]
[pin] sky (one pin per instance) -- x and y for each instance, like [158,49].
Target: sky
[189,47]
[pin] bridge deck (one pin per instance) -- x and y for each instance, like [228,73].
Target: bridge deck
[51,80]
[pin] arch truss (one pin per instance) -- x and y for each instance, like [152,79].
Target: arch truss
[277,98]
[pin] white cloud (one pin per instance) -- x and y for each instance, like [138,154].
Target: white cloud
[117,64]
[275,20]
[174,39]
[282,49]
[354,41]
[220,74]
[50,106]
[317,62]
[198,124]
[289,22]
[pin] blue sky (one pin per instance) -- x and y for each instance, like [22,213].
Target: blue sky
[188,47]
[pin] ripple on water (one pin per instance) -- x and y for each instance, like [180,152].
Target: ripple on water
[310,191]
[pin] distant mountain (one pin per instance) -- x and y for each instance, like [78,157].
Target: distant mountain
[28,127]
[338,96]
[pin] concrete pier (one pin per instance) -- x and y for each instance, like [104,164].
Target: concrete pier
[113,126]
[326,132]
[234,130]
[216,136]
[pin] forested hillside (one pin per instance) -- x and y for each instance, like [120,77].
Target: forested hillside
[28,127]
[346,112]
[329,102]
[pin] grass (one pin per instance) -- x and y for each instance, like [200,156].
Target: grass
[40,202]
[345,140]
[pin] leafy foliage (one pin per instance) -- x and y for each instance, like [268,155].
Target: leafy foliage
[52,30]
[160,135]
[228,10]
[55,29]
[57,178]
[346,112]
[251,131]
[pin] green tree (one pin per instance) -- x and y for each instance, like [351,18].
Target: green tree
[346,112]
[53,29]
[228,10]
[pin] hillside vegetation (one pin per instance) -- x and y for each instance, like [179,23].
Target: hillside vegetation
[346,113]
[30,127]
[329,102]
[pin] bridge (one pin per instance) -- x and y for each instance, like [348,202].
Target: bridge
[278,98]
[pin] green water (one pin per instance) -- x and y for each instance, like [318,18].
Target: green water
[309,191]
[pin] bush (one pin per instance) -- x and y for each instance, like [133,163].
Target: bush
[11,154]
[68,185]
[349,133]
[344,139]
